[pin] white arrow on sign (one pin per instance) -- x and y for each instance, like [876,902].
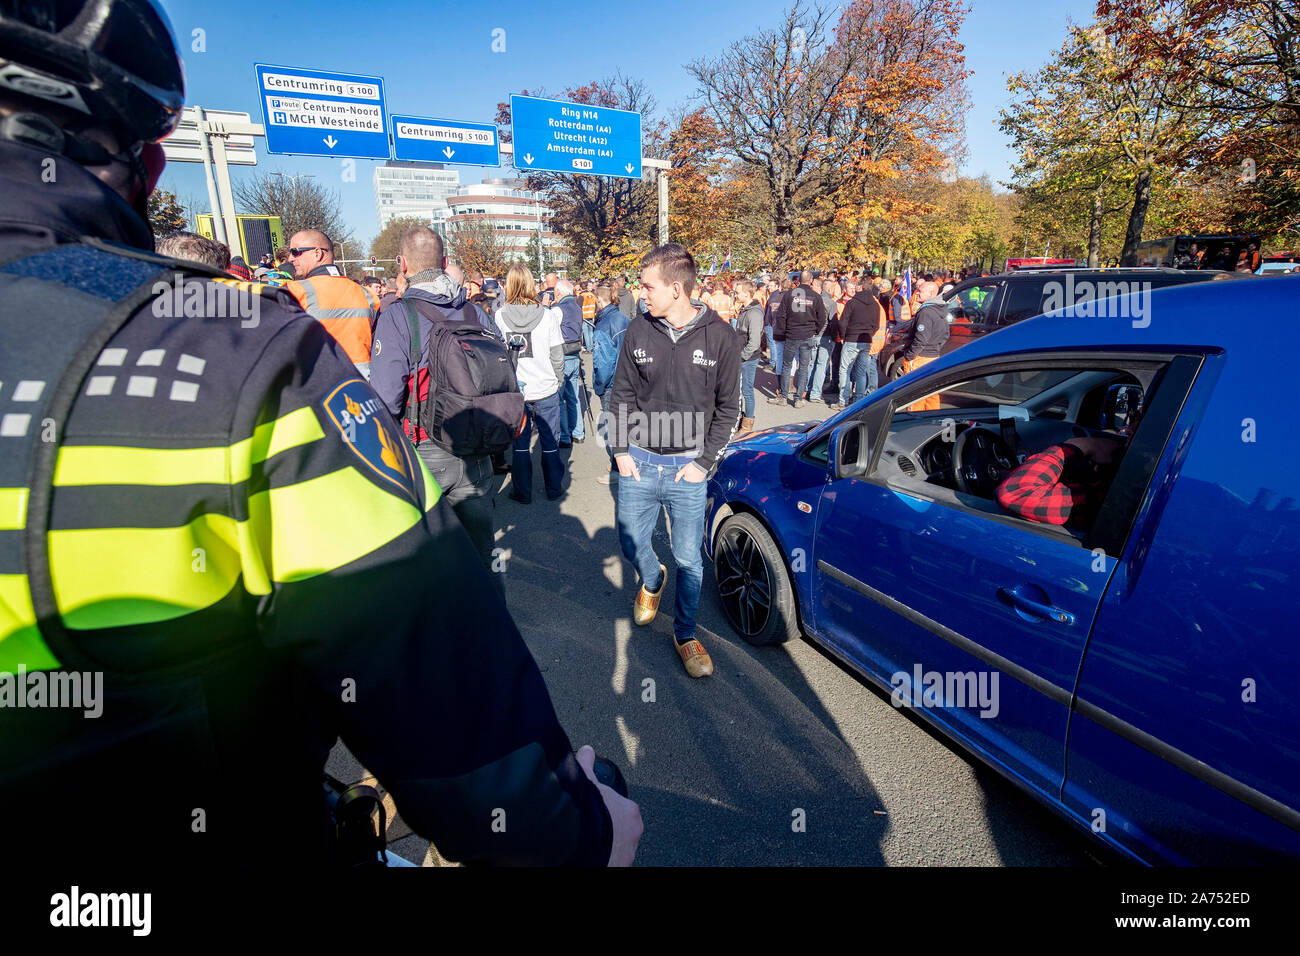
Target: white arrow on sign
[628,167]
[330,141]
[449,152]
[528,158]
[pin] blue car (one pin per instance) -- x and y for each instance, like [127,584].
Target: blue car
[1136,669]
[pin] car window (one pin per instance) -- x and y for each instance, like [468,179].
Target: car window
[1024,300]
[973,304]
[818,451]
[924,452]
[1001,388]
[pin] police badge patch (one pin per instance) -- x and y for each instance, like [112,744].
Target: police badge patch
[368,430]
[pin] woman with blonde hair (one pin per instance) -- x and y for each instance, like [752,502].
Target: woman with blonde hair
[533,334]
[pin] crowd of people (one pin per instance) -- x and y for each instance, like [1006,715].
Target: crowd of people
[254,490]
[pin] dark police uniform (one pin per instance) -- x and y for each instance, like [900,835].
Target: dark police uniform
[235,534]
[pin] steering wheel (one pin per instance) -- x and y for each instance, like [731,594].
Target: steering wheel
[980,461]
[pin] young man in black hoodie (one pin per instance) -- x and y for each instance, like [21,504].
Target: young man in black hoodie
[800,321]
[674,401]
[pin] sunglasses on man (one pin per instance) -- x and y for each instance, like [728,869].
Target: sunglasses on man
[295,252]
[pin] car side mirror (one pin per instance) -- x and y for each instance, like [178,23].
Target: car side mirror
[1121,407]
[850,451]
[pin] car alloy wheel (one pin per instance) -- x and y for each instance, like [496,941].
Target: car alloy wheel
[753,584]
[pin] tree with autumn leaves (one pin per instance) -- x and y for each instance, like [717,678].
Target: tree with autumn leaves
[1182,114]
[814,134]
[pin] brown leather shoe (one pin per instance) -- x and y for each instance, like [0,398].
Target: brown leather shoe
[696,659]
[646,605]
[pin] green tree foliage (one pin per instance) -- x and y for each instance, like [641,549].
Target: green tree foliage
[385,245]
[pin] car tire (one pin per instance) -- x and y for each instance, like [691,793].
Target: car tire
[749,567]
[895,370]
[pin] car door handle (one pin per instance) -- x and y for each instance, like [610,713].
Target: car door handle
[1017,599]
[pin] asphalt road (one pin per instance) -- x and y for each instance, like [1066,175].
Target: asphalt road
[727,768]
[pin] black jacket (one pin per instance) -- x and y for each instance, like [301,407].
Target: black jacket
[861,317]
[450,711]
[674,398]
[801,315]
[928,332]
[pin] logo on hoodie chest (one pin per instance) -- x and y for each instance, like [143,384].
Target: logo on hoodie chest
[697,358]
[642,357]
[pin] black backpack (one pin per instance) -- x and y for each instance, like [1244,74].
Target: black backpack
[474,406]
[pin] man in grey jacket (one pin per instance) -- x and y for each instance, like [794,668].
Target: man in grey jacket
[749,326]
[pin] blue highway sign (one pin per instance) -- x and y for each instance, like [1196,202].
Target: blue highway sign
[444,141]
[575,138]
[313,113]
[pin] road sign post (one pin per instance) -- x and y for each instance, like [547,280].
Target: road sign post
[315,113]
[565,137]
[225,136]
[423,140]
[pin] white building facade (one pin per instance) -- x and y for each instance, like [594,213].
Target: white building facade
[413,189]
[516,215]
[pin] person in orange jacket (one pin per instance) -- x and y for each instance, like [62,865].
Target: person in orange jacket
[345,308]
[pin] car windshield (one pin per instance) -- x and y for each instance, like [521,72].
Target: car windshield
[1006,388]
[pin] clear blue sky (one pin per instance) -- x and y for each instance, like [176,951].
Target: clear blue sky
[437,60]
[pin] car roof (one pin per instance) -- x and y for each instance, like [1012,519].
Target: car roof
[1189,316]
[1039,275]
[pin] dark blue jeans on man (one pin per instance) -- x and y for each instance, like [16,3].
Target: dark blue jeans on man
[571,391]
[545,414]
[800,350]
[639,503]
[747,372]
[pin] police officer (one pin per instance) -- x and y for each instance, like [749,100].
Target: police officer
[227,541]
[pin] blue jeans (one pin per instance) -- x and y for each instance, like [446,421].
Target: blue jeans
[747,372]
[638,513]
[857,361]
[545,414]
[773,348]
[800,350]
[571,389]
[820,363]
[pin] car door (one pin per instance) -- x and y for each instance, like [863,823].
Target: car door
[977,617]
[1183,745]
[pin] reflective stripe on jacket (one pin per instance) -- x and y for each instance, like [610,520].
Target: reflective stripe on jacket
[346,309]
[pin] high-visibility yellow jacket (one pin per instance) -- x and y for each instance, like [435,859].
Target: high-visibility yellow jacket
[236,537]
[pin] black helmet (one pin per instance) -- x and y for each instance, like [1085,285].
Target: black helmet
[114,60]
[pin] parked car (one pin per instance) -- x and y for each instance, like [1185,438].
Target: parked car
[1278,268]
[982,305]
[1144,662]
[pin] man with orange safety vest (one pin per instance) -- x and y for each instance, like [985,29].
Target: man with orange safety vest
[900,308]
[588,299]
[925,338]
[346,309]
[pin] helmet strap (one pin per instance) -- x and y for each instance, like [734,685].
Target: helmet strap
[33,129]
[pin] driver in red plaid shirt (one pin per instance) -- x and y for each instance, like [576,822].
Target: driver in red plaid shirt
[1062,483]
